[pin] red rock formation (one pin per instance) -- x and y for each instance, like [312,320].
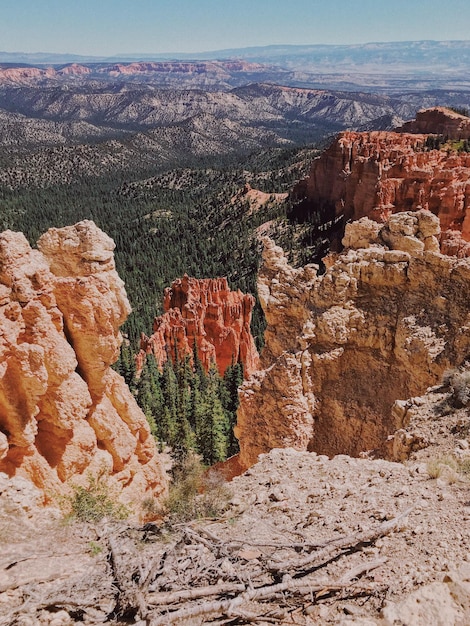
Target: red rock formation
[25,74]
[64,413]
[207,312]
[375,174]
[439,121]
[383,323]
[74,69]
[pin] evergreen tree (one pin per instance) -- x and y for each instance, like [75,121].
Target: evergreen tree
[233,378]
[150,398]
[169,386]
[125,365]
[211,427]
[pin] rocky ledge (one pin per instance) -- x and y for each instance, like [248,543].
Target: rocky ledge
[383,323]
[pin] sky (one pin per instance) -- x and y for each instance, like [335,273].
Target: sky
[111,27]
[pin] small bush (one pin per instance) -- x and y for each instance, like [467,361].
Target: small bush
[458,380]
[194,492]
[445,466]
[94,502]
[464,467]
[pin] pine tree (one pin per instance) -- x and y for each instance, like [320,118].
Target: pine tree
[211,427]
[125,365]
[150,398]
[233,378]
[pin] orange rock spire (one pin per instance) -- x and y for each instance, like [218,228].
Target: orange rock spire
[207,312]
[64,413]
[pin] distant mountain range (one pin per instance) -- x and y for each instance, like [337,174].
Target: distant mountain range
[79,128]
[373,66]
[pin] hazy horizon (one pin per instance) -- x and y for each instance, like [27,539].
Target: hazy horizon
[110,28]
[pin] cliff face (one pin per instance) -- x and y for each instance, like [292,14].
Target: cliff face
[64,413]
[439,121]
[207,312]
[375,174]
[386,319]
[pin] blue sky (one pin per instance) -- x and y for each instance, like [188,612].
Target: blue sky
[107,27]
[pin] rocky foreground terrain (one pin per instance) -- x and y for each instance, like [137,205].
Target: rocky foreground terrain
[304,540]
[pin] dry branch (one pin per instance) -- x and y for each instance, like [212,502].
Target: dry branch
[338,546]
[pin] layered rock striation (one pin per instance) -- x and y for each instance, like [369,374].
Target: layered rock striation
[376,174]
[439,121]
[64,413]
[206,313]
[385,320]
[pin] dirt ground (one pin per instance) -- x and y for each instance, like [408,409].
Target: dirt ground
[304,540]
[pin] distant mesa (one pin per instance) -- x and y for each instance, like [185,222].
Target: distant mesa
[206,313]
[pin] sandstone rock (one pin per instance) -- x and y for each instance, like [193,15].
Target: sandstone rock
[205,312]
[63,412]
[439,121]
[375,174]
[361,233]
[431,604]
[381,324]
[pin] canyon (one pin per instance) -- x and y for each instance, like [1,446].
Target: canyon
[65,415]
[203,315]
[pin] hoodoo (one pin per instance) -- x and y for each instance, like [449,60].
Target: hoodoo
[207,313]
[64,413]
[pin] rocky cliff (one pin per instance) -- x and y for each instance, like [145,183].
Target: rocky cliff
[64,413]
[205,312]
[439,121]
[384,321]
[375,174]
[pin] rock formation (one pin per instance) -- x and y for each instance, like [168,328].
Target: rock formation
[384,321]
[207,312]
[375,174]
[64,413]
[439,121]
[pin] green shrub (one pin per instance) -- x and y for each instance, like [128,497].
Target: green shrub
[194,492]
[95,501]
[442,466]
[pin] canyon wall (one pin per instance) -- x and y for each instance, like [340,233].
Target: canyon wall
[205,312]
[64,413]
[385,320]
[376,174]
[439,121]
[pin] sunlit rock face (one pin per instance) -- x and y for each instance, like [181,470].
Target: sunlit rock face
[385,320]
[376,174]
[205,312]
[64,413]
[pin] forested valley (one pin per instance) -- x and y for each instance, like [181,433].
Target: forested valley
[167,223]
